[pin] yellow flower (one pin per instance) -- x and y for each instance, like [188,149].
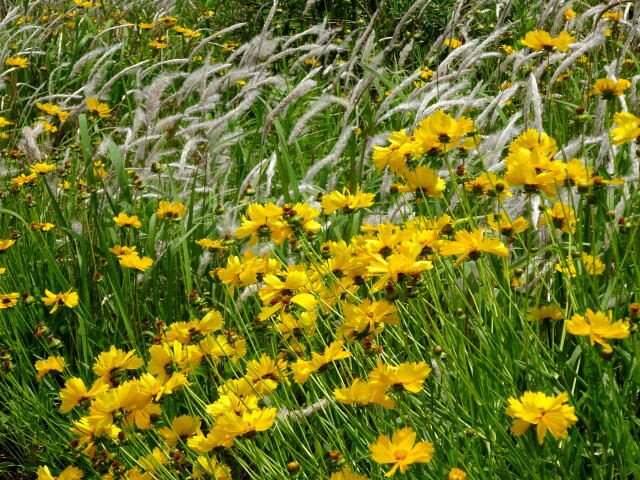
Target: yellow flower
[132,260]
[508,49]
[598,326]
[4,122]
[208,467]
[441,132]
[397,265]
[346,201]
[68,298]
[401,450]
[9,300]
[69,473]
[174,210]
[424,181]
[146,26]
[157,45]
[457,474]
[627,128]
[472,244]
[364,393]
[548,413]
[45,366]
[569,13]
[501,222]
[609,88]
[562,217]
[182,427]
[367,318]
[347,474]
[541,40]
[452,43]
[211,245]
[19,62]
[405,376]
[94,106]
[592,264]
[4,244]
[23,179]
[302,369]
[109,363]
[548,312]
[75,392]
[124,220]
[121,251]
[42,168]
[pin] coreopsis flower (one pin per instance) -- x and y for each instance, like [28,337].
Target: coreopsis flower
[561,216]
[265,221]
[508,49]
[401,450]
[346,201]
[182,428]
[50,364]
[212,245]
[547,413]
[187,32]
[5,244]
[232,425]
[68,298]
[265,374]
[592,264]
[9,300]
[42,168]
[112,362]
[541,40]
[545,312]
[452,43]
[173,356]
[158,388]
[405,376]
[124,220]
[610,89]
[94,106]
[54,110]
[48,127]
[280,295]
[401,146]
[18,62]
[146,26]
[209,467]
[302,369]
[122,250]
[157,45]
[440,131]
[488,185]
[471,245]
[75,392]
[364,393]
[69,473]
[22,179]
[569,13]
[347,474]
[174,210]
[500,222]
[135,262]
[397,265]
[367,318]
[598,326]
[4,122]
[298,219]
[627,128]
[613,16]
[423,181]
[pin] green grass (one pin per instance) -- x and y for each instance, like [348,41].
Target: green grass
[212,142]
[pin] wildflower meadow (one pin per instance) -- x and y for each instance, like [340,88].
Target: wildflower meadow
[324,240]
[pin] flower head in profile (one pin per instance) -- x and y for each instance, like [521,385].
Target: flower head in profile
[101,109]
[608,88]
[541,40]
[401,450]
[50,364]
[75,392]
[4,244]
[405,376]
[561,216]
[471,245]
[627,128]
[547,413]
[68,298]
[18,62]
[598,326]
[124,220]
[346,200]
[347,474]
[69,473]
[302,369]
[135,262]
[174,210]
[423,181]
